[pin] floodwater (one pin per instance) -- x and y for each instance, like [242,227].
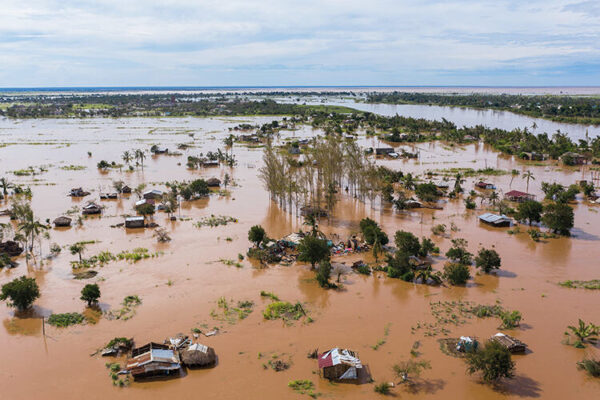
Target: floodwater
[463,116]
[180,287]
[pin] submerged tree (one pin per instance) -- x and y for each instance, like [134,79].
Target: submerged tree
[493,361]
[90,293]
[313,250]
[22,292]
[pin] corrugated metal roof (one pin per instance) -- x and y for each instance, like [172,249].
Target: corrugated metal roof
[493,218]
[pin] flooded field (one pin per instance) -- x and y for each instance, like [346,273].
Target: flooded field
[182,284]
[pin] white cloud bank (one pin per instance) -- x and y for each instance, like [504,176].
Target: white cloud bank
[290,42]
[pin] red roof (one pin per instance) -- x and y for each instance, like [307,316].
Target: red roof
[325,362]
[516,193]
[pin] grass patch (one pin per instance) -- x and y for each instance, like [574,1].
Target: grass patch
[286,311]
[593,284]
[231,314]
[66,319]
[127,311]
[270,295]
[303,386]
[215,220]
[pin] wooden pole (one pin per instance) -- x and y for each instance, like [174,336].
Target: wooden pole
[43,327]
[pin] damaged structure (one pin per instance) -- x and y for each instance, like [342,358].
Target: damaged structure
[495,220]
[340,364]
[153,359]
[513,345]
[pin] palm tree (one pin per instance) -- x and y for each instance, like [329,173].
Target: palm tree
[77,248]
[31,229]
[5,186]
[528,175]
[584,333]
[513,173]
[139,155]
[427,274]
[126,157]
[494,197]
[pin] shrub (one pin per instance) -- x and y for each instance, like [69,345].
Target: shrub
[383,388]
[470,204]
[399,267]
[493,361]
[510,319]
[427,192]
[323,274]
[456,274]
[22,292]
[591,366]
[66,319]
[487,260]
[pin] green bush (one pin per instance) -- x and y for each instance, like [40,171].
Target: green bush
[456,274]
[22,292]
[65,319]
[494,361]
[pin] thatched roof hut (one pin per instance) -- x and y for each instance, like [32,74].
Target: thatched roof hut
[62,221]
[198,356]
[126,189]
[213,182]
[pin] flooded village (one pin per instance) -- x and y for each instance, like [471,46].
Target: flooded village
[293,245]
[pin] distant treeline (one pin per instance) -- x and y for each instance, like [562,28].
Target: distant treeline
[558,108]
[130,105]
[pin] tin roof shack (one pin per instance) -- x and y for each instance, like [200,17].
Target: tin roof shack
[495,220]
[109,196]
[484,185]
[153,194]
[134,222]
[571,158]
[519,197]
[198,356]
[62,222]
[513,345]
[340,364]
[210,163]
[91,209]
[153,360]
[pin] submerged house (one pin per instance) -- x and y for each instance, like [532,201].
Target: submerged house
[571,158]
[106,196]
[495,219]
[153,194]
[153,359]
[91,209]
[513,345]
[485,185]
[515,195]
[213,182]
[384,151]
[134,222]
[78,192]
[340,364]
[126,189]
[62,221]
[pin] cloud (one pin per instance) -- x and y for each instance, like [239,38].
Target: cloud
[287,42]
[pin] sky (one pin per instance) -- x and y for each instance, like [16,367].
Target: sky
[58,43]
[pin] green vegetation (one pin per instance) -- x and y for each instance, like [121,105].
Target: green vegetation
[270,295]
[127,311]
[231,314]
[591,366]
[66,319]
[22,292]
[303,386]
[90,293]
[406,370]
[488,260]
[530,211]
[284,310]
[458,252]
[493,361]
[383,388]
[575,109]
[593,284]
[372,232]
[583,333]
[257,235]
[313,250]
[456,274]
[214,221]
[559,217]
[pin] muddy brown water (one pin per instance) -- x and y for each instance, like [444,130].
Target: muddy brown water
[59,365]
